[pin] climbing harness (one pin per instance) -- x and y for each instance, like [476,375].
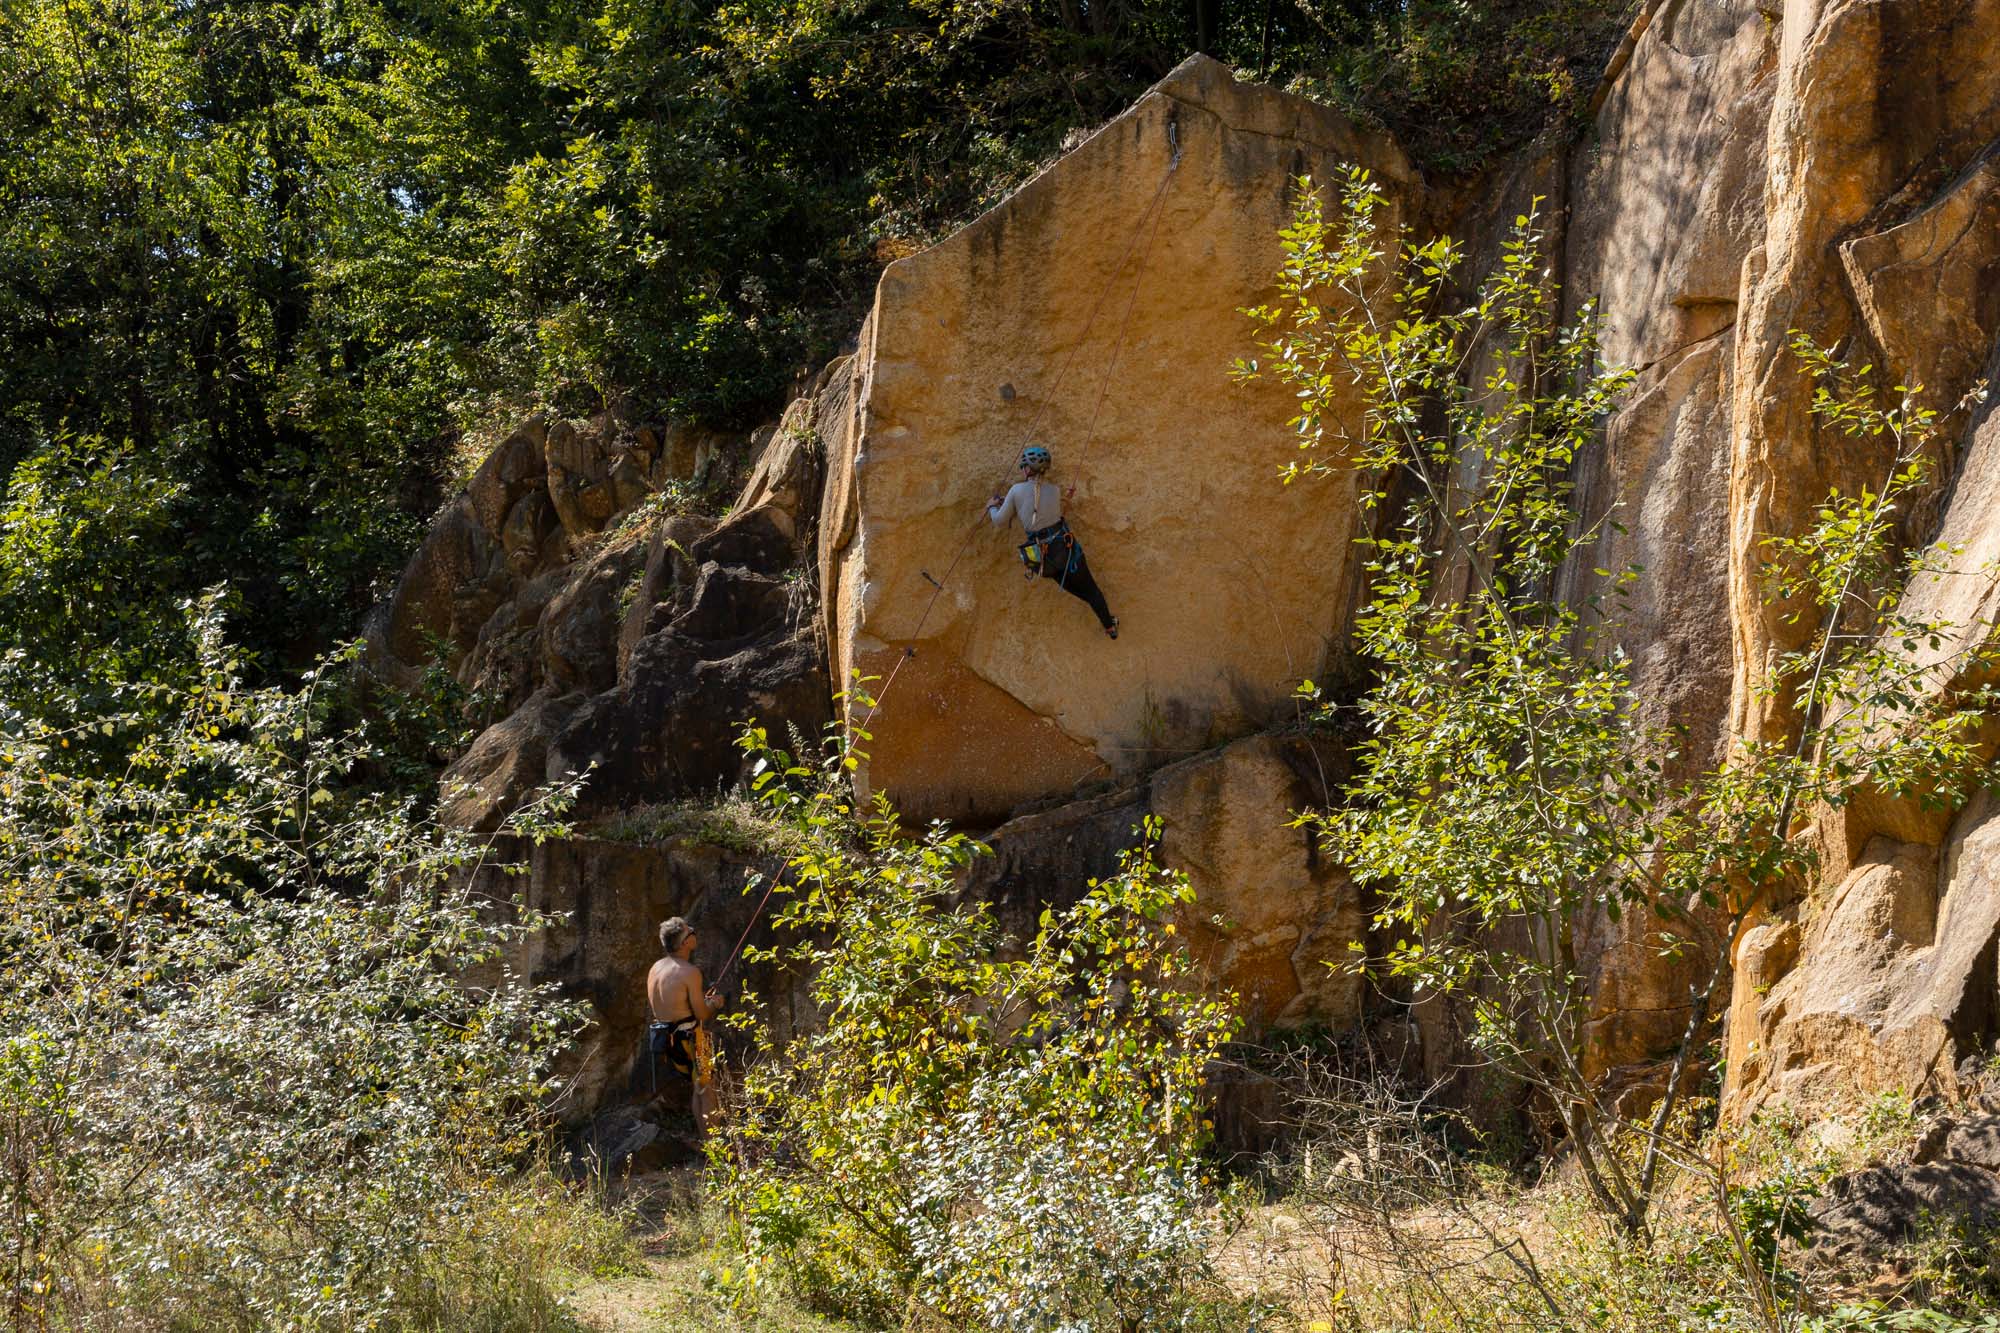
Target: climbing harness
[1049,548]
[686,1045]
[1147,226]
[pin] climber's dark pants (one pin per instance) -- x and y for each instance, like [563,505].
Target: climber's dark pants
[1065,564]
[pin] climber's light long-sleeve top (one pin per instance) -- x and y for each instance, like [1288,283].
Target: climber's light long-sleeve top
[1035,511]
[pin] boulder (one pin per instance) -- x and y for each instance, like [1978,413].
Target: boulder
[1271,918]
[1951,1185]
[1095,310]
[1869,1214]
[1896,981]
[507,761]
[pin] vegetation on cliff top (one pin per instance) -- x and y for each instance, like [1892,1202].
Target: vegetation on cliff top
[261,264]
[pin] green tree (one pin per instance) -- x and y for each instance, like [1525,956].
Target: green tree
[261,1048]
[1506,790]
[1002,1133]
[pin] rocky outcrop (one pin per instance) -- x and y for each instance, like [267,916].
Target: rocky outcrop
[732,640]
[611,893]
[1271,917]
[1951,1187]
[1824,167]
[1831,166]
[609,629]
[486,573]
[1094,310]
[1879,231]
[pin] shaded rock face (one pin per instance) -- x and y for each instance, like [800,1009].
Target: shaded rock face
[1096,310]
[606,644]
[482,582]
[1269,913]
[612,896]
[736,640]
[1952,1186]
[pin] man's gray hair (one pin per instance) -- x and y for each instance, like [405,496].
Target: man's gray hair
[672,931]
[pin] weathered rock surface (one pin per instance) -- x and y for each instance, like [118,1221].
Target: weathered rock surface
[534,506]
[1270,913]
[606,643]
[613,893]
[1096,310]
[1824,165]
[1880,230]
[1952,1186]
[736,639]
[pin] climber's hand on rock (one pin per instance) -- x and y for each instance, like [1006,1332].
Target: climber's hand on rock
[995,501]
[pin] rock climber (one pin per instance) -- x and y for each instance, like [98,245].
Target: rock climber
[1051,549]
[680,1006]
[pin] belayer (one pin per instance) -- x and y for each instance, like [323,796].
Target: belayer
[1051,550]
[681,1004]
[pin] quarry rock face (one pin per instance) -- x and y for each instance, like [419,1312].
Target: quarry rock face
[1828,166]
[1269,912]
[1094,311]
[613,892]
[1879,231]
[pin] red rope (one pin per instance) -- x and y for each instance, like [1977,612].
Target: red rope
[745,936]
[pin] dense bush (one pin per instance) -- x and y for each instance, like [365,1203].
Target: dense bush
[261,1051]
[986,1132]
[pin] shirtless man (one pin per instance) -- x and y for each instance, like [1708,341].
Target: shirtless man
[680,1006]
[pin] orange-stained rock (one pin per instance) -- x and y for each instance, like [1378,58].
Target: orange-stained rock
[1272,917]
[1229,588]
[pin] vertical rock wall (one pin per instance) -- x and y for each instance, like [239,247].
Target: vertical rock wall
[1825,167]
[1095,311]
[1831,166]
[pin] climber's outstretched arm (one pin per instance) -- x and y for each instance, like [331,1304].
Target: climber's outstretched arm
[1000,508]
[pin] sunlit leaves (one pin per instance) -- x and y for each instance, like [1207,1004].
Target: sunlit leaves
[265,1030]
[871,1152]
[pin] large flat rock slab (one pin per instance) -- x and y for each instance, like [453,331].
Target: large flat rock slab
[1071,312]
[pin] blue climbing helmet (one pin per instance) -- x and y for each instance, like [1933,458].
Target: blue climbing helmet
[1036,459]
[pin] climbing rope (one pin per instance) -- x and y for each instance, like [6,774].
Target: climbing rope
[723,975]
[1148,226]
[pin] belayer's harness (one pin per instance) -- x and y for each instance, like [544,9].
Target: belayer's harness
[685,1044]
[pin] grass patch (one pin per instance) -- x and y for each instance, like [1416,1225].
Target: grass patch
[733,822]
